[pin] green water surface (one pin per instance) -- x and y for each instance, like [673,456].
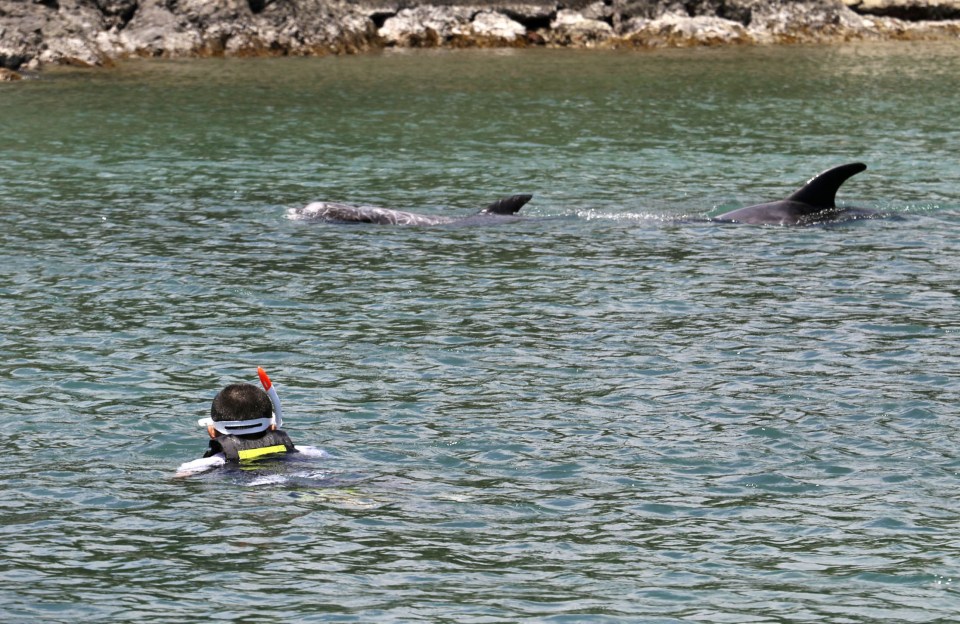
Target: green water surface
[609,412]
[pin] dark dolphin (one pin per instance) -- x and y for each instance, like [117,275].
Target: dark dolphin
[499,211]
[815,202]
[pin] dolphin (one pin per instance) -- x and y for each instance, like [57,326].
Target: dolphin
[499,211]
[814,202]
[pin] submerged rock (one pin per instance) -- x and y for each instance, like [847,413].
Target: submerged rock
[8,75]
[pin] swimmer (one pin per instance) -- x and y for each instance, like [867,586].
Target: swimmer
[244,424]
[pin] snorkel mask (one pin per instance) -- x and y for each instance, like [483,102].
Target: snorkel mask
[254,425]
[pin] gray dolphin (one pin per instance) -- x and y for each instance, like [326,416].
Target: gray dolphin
[815,202]
[499,211]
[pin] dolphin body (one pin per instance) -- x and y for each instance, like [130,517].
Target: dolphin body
[502,210]
[814,202]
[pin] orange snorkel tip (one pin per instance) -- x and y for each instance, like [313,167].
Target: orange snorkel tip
[264,379]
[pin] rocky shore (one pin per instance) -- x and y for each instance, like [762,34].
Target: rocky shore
[98,32]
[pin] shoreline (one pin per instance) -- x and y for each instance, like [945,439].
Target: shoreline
[97,33]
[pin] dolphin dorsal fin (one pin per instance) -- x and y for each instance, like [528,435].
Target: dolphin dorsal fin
[821,190]
[507,205]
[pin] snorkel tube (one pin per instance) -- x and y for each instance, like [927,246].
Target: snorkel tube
[255,425]
[274,398]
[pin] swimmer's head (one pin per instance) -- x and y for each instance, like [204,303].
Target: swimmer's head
[241,402]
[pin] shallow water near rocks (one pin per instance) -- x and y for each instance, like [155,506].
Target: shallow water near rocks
[608,412]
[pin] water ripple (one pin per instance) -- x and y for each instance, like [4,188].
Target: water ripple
[610,412]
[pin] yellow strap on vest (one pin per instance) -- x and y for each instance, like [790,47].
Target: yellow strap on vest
[266,450]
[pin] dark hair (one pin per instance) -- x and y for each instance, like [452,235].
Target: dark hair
[241,402]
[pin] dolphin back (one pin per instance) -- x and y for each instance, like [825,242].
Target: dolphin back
[821,191]
[348,213]
[507,205]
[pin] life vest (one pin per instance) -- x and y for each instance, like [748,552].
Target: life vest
[237,448]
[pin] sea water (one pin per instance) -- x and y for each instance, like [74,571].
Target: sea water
[609,412]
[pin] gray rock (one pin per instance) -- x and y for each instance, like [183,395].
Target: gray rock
[813,21]
[576,29]
[155,31]
[95,32]
[431,26]
[244,27]
[426,26]
[675,30]
[497,26]
[911,10]
[62,32]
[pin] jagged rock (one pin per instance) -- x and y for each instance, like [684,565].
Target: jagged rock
[232,27]
[735,10]
[155,31]
[315,26]
[675,30]
[572,28]
[908,9]
[426,26]
[806,22]
[93,32]
[117,12]
[62,32]
[650,9]
[430,26]
[596,11]
[496,26]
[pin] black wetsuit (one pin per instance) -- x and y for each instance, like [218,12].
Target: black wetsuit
[237,447]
